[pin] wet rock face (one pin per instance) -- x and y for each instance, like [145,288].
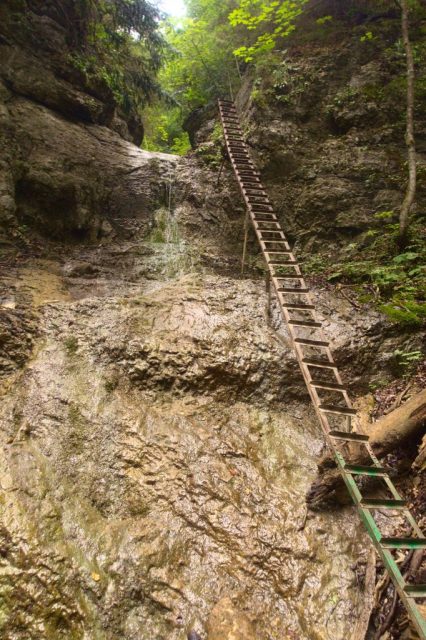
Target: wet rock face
[62,141]
[160,512]
[156,450]
[66,178]
[226,622]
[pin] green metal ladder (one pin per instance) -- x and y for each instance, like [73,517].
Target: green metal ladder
[319,370]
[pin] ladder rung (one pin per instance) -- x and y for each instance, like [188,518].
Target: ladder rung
[305,323]
[275,242]
[382,503]
[331,408]
[269,238]
[281,264]
[415,590]
[312,343]
[348,435]
[319,362]
[292,289]
[365,470]
[295,306]
[289,276]
[403,543]
[328,386]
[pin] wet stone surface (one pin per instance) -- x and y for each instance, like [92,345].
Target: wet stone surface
[157,448]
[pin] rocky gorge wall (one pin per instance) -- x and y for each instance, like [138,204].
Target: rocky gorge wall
[156,438]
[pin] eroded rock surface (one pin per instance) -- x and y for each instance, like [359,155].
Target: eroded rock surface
[157,448]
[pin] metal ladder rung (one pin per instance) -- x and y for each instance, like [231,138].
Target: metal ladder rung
[278,253]
[305,323]
[309,342]
[275,242]
[331,408]
[318,362]
[403,543]
[328,386]
[281,264]
[292,289]
[295,306]
[268,238]
[364,470]
[382,503]
[415,590]
[349,435]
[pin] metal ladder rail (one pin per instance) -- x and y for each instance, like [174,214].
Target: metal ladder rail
[275,248]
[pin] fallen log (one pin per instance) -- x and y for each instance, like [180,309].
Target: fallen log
[405,423]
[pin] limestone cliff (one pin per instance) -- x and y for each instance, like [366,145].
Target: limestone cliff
[156,440]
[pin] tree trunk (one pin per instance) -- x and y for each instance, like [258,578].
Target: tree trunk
[404,216]
[386,435]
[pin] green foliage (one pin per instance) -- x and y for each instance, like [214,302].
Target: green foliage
[71,345]
[117,45]
[406,361]
[397,280]
[163,130]
[269,20]
[199,67]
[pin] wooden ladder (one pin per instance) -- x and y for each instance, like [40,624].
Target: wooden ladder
[328,394]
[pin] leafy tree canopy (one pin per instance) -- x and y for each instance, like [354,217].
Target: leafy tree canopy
[118,43]
[269,19]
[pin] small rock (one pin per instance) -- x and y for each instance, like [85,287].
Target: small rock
[76,269]
[226,622]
